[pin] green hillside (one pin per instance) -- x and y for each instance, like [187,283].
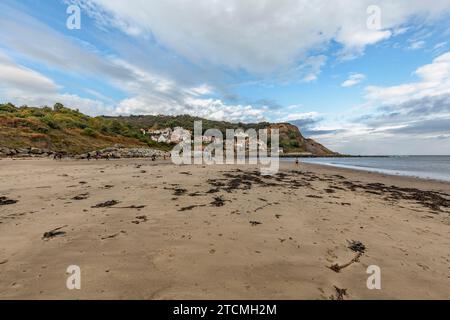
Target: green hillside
[65,130]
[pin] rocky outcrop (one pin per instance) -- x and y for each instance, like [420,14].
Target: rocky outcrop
[24,152]
[293,142]
[120,152]
[116,152]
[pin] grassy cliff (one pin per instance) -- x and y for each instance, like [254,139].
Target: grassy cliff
[63,129]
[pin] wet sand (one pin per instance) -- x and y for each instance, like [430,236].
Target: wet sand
[145,230]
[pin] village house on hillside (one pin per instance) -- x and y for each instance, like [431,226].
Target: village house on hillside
[169,135]
[179,135]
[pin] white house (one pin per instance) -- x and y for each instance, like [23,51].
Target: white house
[163,139]
[180,134]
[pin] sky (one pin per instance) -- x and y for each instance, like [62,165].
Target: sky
[369,77]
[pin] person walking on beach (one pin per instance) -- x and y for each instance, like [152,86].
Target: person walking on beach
[297,163]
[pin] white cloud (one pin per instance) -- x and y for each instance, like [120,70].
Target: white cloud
[150,95]
[13,75]
[260,35]
[409,118]
[416,45]
[434,80]
[300,116]
[213,109]
[148,91]
[353,80]
[54,49]
[85,105]
[440,45]
[155,94]
[24,86]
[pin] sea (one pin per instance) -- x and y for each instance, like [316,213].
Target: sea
[424,167]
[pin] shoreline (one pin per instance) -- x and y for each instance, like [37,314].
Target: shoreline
[283,164]
[433,176]
[381,171]
[402,180]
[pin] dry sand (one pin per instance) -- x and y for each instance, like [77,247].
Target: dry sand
[218,232]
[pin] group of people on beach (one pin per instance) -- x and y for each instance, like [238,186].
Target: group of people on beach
[57,156]
[98,156]
[107,156]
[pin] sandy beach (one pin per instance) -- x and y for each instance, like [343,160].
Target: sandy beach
[152,230]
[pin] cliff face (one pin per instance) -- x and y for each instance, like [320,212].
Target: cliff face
[292,141]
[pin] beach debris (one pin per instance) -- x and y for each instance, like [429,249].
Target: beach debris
[239,180]
[108,186]
[195,194]
[54,233]
[263,207]
[433,200]
[106,204]
[374,192]
[3,261]
[113,235]
[314,196]
[5,201]
[110,237]
[83,196]
[218,202]
[340,293]
[177,191]
[140,219]
[255,223]
[189,208]
[356,246]
[337,268]
[139,207]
